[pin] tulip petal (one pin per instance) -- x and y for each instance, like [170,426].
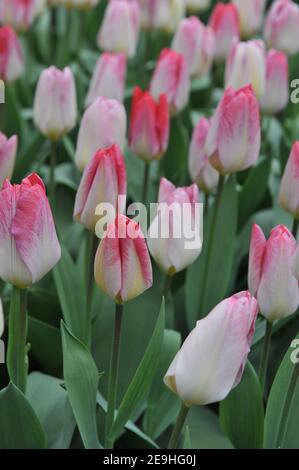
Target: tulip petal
[256,256]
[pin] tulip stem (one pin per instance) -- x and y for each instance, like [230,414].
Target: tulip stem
[265,355]
[287,405]
[177,430]
[52,172]
[17,362]
[113,377]
[89,280]
[145,183]
[295,228]
[167,285]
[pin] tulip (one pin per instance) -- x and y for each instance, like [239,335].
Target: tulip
[103,124]
[122,265]
[80,4]
[211,361]
[11,56]
[163,15]
[225,23]
[29,247]
[108,78]
[246,64]
[270,276]
[289,186]
[198,5]
[276,95]
[234,138]
[167,239]
[251,13]
[20,14]
[1,319]
[149,125]
[295,264]
[196,43]
[55,104]
[201,171]
[281,26]
[8,150]
[171,78]
[103,180]
[120,28]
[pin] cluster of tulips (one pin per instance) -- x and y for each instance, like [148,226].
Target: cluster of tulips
[212,358]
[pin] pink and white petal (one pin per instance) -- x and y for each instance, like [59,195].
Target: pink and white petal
[256,256]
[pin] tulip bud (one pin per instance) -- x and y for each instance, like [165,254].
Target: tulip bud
[246,64]
[29,247]
[211,361]
[201,171]
[251,13]
[55,103]
[196,43]
[122,265]
[8,150]
[234,138]
[11,56]
[270,276]
[120,28]
[276,95]
[149,125]
[171,78]
[295,264]
[198,5]
[1,319]
[108,78]
[103,180]
[225,23]
[281,26]
[163,15]
[289,186]
[103,124]
[167,238]
[20,14]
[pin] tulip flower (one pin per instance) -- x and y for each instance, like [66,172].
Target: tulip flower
[289,186]
[103,124]
[251,13]
[171,78]
[246,64]
[103,180]
[11,56]
[281,26]
[234,138]
[270,276]
[120,28]
[163,15]
[55,104]
[8,150]
[225,23]
[29,247]
[122,265]
[167,240]
[108,78]
[211,361]
[276,94]
[149,125]
[201,171]
[196,43]
[79,4]
[295,264]
[20,14]
[198,5]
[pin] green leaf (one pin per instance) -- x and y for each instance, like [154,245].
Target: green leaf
[175,158]
[81,379]
[204,429]
[242,412]
[19,425]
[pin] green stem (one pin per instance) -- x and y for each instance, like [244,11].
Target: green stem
[265,355]
[206,206]
[287,406]
[17,362]
[52,172]
[113,376]
[177,430]
[167,285]
[295,228]
[145,183]
[89,280]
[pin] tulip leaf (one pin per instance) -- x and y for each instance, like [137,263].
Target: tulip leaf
[204,430]
[175,158]
[81,381]
[242,412]
[142,379]
[19,425]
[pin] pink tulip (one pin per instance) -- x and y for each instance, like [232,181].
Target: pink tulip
[11,56]
[201,171]
[225,23]
[211,361]
[289,186]
[251,14]
[122,265]
[149,125]
[108,78]
[20,14]
[234,137]
[196,43]
[270,276]
[281,26]
[8,150]
[103,180]
[103,124]
[276,95]
[29,247]
[171,78]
